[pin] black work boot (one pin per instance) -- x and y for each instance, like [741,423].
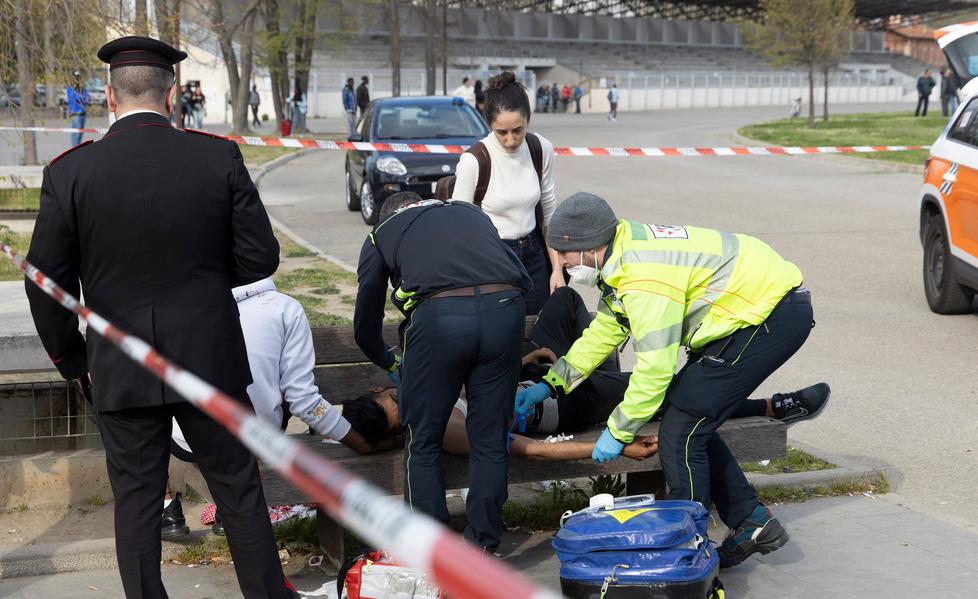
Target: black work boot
[803,404]
[759,533]
[218,526]
[172,522]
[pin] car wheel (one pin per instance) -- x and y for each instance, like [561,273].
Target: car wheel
[352,199]
[368,210]
[945,294]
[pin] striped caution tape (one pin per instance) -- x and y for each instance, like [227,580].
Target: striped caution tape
[416,540]
[653,152]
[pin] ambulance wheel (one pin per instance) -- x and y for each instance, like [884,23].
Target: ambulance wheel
[945,295]
[352,199]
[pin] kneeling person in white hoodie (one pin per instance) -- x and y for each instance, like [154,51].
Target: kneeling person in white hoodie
[281,357]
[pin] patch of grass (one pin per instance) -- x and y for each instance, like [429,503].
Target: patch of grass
[95,501]
[866,129]
[318,319]
[210,549]
[327,290]
[20,198]
[291,249]
[352,300]
[297,535]
[795,460]
[544,512]
[19,242]
[192,495]
[20,509]
[309,301]
[259,155]
[787,494]
[321,275]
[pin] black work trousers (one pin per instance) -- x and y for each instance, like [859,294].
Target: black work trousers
[450,342]
[560,323]
[137,450]
[710,389]
[922,102]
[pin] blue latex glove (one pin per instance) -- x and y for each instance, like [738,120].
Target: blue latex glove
[527,398]
[607,448]
[394,377]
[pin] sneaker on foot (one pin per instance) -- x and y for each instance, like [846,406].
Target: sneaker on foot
[172,522]
[759,533]
[803,404]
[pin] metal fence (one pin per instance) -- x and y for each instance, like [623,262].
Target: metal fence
[44,416]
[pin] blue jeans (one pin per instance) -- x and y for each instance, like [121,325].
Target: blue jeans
[77,122]
[533,254]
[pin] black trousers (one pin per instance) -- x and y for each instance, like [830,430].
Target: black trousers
[254,116]
[710,389]
[532,252]
[450,342]
[560,323]
[922,101]
[137,449]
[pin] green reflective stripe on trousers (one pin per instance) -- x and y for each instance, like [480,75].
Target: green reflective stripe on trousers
[717,284]
[692,494]
[624,424]
[407,467]
[660,338]
[567,372]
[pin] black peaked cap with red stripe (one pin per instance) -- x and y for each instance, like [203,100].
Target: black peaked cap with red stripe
[135,51]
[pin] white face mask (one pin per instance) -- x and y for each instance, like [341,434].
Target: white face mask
[583,274]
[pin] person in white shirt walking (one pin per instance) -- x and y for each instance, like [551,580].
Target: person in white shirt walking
[466,92]
[281,358]
[613,96]
[518,192]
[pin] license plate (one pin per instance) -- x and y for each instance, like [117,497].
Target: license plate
[434,186]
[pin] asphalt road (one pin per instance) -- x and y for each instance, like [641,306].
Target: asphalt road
[902,378]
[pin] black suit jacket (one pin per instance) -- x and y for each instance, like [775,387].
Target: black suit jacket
[157,225]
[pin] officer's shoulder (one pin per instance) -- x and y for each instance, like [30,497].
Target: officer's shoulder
[83,144]
[208,137]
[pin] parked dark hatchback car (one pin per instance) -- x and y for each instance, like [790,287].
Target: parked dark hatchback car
[371,177]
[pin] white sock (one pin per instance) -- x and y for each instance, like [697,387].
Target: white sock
[166,503]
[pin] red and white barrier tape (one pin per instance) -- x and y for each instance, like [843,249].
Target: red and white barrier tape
[416,540]
[655,152]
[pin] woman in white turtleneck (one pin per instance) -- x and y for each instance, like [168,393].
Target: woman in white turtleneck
[514,191]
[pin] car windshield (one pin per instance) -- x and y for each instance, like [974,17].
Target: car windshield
[963,55]
[428,122]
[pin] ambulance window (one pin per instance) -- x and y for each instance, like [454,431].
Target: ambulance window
[966,128]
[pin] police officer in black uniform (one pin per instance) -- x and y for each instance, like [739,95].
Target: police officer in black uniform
[462,291]
[158,225]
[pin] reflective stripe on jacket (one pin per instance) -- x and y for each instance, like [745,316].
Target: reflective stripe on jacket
[670,286]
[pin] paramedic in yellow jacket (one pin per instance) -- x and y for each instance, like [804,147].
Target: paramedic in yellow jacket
[738,308]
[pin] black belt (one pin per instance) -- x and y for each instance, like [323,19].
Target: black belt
[474,290]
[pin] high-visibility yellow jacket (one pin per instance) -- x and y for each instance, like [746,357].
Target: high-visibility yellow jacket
[670,286]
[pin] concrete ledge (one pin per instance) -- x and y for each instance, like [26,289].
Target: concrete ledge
[53,479]
[56,558]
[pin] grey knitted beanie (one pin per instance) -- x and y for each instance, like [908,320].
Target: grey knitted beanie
[581,222]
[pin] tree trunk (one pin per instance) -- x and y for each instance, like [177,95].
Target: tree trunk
[49,64]
[278,58]
[141,23]
[825,95]
[444,47]
[429,48]
[240,93]
[811,95]
[304,43]
[395,48]
[25,80]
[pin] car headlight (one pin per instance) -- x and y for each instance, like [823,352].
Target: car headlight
[391,166]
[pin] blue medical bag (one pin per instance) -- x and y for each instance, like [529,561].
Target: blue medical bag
[640,547]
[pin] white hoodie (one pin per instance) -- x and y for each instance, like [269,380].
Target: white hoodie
[281,357]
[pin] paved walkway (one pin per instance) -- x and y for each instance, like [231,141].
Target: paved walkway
[840,548]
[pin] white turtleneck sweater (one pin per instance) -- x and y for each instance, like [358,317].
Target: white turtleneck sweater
[513,191]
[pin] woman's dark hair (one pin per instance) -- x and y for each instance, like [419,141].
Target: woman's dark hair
[367,417]
[505,94]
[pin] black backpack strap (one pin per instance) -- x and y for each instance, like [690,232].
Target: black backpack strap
[536,154]
[481,154]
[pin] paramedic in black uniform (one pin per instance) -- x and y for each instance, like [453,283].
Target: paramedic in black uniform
[157,225]
[462,292]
